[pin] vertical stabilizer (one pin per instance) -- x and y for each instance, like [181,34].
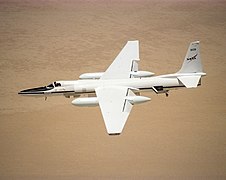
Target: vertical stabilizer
[192,60]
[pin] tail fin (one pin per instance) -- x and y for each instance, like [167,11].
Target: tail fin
[192,60]
[191,70]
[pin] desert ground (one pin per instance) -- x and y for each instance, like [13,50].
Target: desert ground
[179,137]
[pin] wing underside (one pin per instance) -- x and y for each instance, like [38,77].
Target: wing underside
[114,107]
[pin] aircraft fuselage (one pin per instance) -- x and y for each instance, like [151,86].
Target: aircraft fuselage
[78,87]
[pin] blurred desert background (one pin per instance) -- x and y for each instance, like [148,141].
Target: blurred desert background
[179,137]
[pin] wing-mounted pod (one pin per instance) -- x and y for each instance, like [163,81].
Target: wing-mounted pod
[134,74]
[96,75]
[86,102]
[141,74]
[93,101]
[137,99]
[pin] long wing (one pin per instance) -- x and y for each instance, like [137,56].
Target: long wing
[124,63]
[114,107]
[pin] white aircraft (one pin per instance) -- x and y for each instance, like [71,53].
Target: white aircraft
[118,88]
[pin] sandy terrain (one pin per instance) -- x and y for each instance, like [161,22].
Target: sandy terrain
[179,137]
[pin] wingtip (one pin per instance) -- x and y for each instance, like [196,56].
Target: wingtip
[134,41]
[196,42]
[114,134]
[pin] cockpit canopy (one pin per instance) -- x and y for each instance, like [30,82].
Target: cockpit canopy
[50,86]
[54,84]
[57,84]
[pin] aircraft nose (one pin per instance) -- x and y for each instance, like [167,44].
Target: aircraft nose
[20,92]
[38,90]
[25,91]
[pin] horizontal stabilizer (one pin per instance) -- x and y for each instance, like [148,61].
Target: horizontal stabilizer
[190,81]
